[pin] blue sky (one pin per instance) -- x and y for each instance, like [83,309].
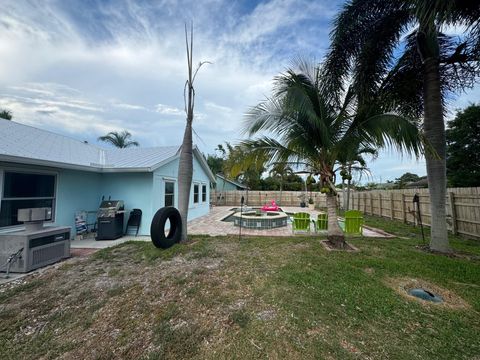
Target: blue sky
[84,67]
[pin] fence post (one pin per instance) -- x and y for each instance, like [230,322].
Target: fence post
[404,212]
[380,204]
[454,213]
[371,204]
[364,203]
[391,206]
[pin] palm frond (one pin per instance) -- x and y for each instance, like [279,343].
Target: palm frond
[355,26]
[393,131]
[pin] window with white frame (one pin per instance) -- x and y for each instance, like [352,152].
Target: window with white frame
[196,188]
[204,193]
[22,190]
[169,193]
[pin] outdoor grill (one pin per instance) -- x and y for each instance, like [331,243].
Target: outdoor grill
[110,220]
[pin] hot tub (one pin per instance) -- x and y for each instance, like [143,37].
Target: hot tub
[260,220]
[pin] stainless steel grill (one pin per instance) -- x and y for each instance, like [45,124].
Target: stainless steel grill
[110,220]
[110,208]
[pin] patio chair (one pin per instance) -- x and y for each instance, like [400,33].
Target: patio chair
[321,223]
[301,222]
[353,222]
[134,220]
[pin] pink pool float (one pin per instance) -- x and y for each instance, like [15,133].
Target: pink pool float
[272,207]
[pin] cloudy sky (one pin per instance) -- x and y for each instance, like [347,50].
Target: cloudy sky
[84,67]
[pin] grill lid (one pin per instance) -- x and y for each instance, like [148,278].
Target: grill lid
[112,204]
[109,208]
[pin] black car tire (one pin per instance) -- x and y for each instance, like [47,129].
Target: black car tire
[157,228]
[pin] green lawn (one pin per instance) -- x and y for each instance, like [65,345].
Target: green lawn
[255,298]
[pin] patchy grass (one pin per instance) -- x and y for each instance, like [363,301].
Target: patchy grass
[409,231]
[254,298]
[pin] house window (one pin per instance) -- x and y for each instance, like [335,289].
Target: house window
[25,190]
[169,193]
[195,193]
[204,193]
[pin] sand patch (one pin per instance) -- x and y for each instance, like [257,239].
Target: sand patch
[450,299]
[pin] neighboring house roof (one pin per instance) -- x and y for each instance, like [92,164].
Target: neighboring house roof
[28,145]
[385,186]
[422,183]
[232,182]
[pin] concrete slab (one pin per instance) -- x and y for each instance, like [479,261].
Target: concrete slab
[102,244]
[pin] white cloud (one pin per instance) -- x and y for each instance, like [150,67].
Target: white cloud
[129,106]
[168,110]
[218,108]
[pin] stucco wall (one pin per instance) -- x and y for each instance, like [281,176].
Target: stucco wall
[76,191]
[135,189]
[169,172]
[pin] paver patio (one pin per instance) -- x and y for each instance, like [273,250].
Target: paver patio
[212,224]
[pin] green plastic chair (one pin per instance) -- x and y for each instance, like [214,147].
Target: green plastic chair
[321,223]
[301,222]
[353,222]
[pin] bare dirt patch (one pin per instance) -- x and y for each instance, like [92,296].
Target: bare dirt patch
[369,270]
[450,299]
[331,247]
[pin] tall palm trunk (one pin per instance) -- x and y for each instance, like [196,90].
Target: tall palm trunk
[349,181]
[436,166]
[348,196]
[185,166]
[185,174]
[335,234]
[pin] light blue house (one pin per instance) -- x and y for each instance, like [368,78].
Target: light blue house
[40,168]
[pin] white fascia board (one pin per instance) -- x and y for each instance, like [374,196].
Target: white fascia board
[54,164]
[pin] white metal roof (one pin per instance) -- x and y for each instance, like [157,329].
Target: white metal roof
[22,141]
[29,145]
[138,157]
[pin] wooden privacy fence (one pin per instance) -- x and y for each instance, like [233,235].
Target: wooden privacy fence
[462,207]
[462,204]
[259,198]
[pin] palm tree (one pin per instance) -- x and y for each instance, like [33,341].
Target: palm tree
[309,130]
[353,161]
[417,74]
[239,166]
[119,139]
[6,114]
[281,170]
[185,165]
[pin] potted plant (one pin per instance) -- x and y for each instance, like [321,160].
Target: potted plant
[311,204]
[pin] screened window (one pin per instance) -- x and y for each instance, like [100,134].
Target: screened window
[169,193]
[195,193]
[25,190]
[204,193]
